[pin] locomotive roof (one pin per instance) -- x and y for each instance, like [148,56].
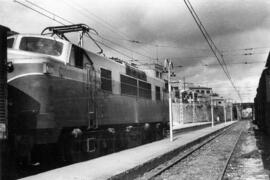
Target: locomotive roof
[37,35]
[117,61]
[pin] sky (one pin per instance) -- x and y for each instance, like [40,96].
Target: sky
[149,31]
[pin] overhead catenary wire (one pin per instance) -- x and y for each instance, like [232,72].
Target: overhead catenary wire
[62,22]
[239,87]
[39,12]
[124,37]
[238,63]
[101,21]
[115,50]
[244,49]
[211,44]
[207,37]
[54,16]
[151,58]
[195,58]
[57,19]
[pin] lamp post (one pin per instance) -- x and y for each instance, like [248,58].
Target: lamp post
[193,107]
[181,116]
[168,65]
[231,104]
[224,106]
[212,109]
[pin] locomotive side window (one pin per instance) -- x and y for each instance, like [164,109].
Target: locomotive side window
[128,85]
[135,73]
[78,57]
[10,42]
[158,95]
[41,45]
[145,90]
[106,79]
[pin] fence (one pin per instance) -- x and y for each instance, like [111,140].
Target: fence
[183,113]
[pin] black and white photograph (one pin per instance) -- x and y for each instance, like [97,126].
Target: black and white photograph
[134,89]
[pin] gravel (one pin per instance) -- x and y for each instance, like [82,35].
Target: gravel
[206,163]
[250,158]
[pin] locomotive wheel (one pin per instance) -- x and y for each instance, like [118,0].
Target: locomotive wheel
[23,147]
[64,151]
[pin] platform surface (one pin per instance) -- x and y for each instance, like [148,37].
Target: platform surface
[177,126]
[113,164]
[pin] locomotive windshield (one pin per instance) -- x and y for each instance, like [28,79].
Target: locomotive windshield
[41,45]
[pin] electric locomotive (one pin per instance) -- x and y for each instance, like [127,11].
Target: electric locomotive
[74,104]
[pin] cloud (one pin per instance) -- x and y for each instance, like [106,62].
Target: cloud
[227,17]
[171,22]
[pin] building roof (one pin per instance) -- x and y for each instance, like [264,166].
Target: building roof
[200,87]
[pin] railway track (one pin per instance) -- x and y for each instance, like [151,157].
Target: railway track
[206,160]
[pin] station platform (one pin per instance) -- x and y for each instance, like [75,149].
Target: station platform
[128,163]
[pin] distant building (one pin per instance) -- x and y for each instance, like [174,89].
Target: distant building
[218,101]
[202,94]
[154,70]
[206,91]
[176,88]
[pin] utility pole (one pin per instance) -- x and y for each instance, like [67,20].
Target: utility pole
[212,110]
[231,112]
[181,116]
[168,65]
[157,52]
[193,106]
[224,107]
[231,105]
[184,79]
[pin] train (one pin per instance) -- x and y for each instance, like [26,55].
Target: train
[262,100]
[69,104]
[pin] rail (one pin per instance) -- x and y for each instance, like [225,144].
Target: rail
[230,156]
[188,153]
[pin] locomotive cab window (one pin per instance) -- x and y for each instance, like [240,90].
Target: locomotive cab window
[78,57]
[106,79]
[41,45]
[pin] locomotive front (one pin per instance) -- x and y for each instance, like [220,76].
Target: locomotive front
[31,117]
